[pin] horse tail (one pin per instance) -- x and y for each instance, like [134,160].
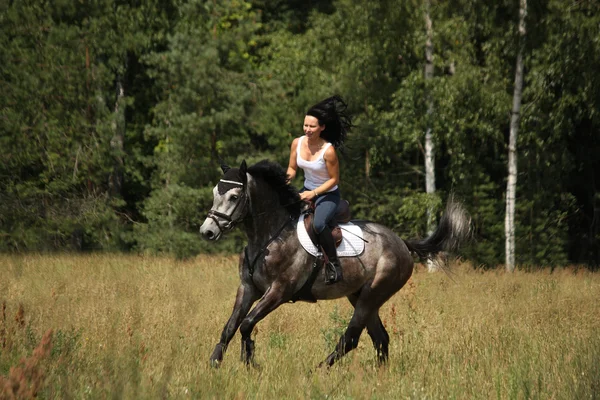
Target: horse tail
[452,231]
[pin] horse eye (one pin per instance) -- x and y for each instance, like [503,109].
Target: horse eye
[234,198]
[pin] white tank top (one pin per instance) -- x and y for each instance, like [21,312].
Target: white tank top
[315,172]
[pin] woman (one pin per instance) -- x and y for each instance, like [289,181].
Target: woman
[325,127]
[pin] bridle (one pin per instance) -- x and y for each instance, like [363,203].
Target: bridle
[231,222]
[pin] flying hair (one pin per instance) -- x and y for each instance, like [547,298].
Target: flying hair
[332,112]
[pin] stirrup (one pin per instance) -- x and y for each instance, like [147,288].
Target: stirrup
[333,273]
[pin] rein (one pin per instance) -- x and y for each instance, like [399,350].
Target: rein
[264,247]
[231,223]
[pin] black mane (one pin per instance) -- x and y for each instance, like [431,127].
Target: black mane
[275,176]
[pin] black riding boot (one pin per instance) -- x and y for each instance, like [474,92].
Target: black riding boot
[333,269]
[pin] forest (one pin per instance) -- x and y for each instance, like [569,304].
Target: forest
[114,116]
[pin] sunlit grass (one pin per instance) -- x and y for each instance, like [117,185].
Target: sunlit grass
[144,327]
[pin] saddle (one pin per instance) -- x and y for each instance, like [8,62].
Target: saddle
[342,216]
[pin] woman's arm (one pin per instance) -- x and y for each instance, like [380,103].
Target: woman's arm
[333,168]
[292,165]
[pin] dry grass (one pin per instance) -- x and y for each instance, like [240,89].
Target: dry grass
[144,327]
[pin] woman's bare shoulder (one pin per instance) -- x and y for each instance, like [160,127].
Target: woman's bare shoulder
[295,143]
[330,153]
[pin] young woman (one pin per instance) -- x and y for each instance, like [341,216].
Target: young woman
[325,127]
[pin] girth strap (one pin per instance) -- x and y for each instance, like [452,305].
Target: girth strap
[305,292]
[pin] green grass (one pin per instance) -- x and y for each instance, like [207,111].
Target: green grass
[144,327]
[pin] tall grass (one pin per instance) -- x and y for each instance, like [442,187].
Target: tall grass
[113,326]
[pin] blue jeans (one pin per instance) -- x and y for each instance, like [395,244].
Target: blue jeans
[325,206]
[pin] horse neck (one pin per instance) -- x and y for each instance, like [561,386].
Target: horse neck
[266,216]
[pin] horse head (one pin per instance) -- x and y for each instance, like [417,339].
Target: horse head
[230,202]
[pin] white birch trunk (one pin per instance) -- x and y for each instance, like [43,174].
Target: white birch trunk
[511,187]
[429,147]
[117,141]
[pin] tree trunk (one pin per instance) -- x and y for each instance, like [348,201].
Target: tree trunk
[511,187]
[429,147]
[367,168]
[116,143]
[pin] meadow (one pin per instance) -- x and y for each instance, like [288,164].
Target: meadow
[141,327]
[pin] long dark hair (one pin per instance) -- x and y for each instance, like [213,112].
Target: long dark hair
[332,112]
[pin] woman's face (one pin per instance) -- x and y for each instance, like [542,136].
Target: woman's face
[312,129]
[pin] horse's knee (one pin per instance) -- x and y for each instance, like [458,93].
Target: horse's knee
[246,328]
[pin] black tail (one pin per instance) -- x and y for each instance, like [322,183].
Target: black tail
[454,228]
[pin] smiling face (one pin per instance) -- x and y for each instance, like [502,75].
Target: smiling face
[312,129]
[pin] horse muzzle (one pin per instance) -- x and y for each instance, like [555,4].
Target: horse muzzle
[210,230]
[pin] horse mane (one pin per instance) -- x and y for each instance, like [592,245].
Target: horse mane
[276,177]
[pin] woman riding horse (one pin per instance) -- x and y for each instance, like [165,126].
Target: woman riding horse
[325,127]
[274,268]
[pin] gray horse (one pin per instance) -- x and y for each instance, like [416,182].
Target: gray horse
[276,269]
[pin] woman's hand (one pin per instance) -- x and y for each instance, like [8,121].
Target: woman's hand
[308,195]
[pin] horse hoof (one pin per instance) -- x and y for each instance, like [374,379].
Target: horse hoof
[253,365]
[324,364]
[215,363]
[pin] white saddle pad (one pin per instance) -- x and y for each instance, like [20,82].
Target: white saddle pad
[352,240]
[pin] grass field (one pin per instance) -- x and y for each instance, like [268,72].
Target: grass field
[144,327]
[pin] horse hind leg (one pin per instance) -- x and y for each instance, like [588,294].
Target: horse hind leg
[363,313]
[367,304]
[377,332]
[349,339]
[380,338]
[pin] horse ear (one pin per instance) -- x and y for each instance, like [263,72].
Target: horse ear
[243,169]
[224,167]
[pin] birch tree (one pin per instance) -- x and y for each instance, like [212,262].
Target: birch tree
[511,188]
[116,142]
[429,147]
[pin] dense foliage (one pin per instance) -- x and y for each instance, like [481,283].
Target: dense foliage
[114,115]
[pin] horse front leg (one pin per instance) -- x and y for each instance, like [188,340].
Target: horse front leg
[276,295]
[246,296]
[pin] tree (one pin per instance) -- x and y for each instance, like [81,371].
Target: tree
[429,146]
[207,95]
[511,186]
[114,114]
[67,73]
[52,133]
[558,210]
